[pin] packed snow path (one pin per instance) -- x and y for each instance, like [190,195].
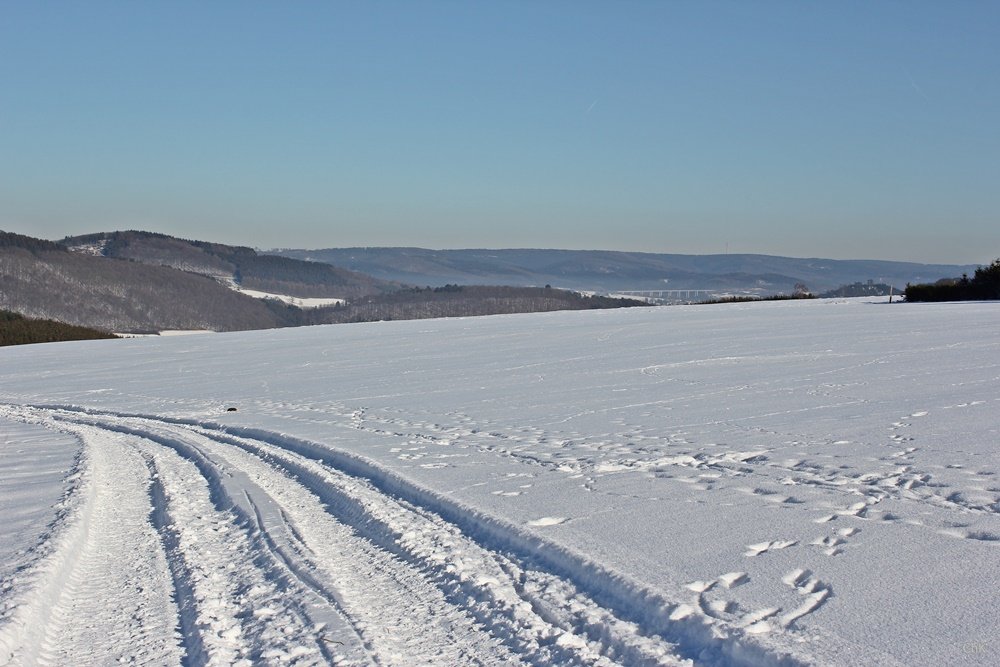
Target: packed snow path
[283,551]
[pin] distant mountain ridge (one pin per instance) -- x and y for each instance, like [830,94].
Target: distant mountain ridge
[238,264]
[147,282]
[42,279]
[141,281]
[611,271]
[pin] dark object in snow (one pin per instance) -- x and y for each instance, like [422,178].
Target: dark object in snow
[230,409]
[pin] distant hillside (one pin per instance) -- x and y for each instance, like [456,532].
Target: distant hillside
[462,301]
[106,283]
[609,271]
[244,266]
[43,280]
[19,330]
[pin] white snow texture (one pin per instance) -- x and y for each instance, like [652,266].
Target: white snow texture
[787,483]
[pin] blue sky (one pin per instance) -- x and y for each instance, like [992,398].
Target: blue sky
[836,129]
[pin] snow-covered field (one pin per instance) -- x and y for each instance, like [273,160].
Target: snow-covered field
[301,302]
[748,484]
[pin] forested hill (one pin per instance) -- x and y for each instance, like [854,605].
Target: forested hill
[610,271]
[242,265]
[417,303]
[42,279]
[100,285]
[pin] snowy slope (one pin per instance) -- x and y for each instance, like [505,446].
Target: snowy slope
[773,483]
[304,302]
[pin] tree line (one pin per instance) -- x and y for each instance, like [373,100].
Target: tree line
[31,244]
[983,286]
[16,329]
[461,301]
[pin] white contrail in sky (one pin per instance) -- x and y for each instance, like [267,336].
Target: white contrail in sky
[591,107]
[913,83]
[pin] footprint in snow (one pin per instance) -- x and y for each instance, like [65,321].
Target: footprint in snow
[981,535]
[764,547]
[814,592]
[756,622]
[830,544]
[728,580]
[547,521]
[714,607]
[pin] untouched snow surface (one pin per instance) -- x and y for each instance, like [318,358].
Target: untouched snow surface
[778,483]
[301,302]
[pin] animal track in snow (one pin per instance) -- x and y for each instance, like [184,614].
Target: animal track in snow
[831,545]
[719,608]
[756,622]
[981,535]
[812,589]
[906,452]
[728,580]
[764,547]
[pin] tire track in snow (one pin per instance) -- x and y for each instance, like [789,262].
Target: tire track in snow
[159,515]
[409,620]
[94,601]
[401,617]
[486,586]
[375,602]
[404,614]
[543,602]
[144,534]
[234,608]
[297,564]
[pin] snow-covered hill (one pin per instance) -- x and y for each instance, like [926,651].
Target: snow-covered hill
[771,483]
[613,271]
